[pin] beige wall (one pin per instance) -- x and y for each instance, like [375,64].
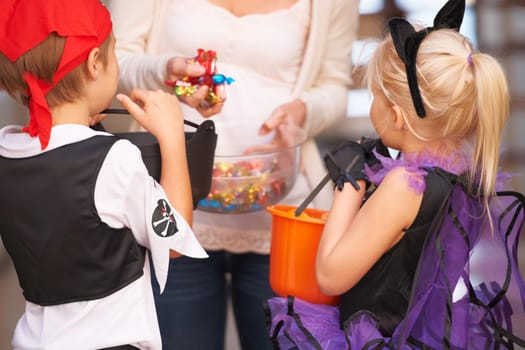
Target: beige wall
[11,112]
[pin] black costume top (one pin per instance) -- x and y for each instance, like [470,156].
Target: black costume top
[51,229]
[385,289]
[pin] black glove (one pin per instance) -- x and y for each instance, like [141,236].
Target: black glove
[346,163]
[369,145]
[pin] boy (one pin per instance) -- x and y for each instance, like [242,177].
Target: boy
[78,206]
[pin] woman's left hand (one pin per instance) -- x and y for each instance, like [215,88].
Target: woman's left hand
[293,112]
[286,121]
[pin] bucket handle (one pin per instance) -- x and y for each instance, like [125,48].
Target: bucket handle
[312,195]
[320,186]
[124,111]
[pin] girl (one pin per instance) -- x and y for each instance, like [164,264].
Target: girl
[407,258]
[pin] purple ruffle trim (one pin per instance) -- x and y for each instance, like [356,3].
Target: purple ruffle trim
[414,164]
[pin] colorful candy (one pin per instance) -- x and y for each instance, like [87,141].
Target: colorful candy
[187,86]
[246,186]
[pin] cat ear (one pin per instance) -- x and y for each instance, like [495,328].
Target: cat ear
[406,42]
[451,15]
[400,30]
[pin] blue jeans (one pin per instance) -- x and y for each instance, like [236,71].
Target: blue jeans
[192,308]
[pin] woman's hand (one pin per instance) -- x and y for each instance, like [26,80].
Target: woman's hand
[286,135]
[177,68]
[286,121]
[293,112]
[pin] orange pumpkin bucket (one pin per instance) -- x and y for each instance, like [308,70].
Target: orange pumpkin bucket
[292,254]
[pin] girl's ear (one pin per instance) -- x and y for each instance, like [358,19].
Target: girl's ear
[398,117]
[93,64]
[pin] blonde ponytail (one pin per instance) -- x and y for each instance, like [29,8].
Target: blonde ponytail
[465,96]
[492,108]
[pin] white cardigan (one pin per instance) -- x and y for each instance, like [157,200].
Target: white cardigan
[323,81]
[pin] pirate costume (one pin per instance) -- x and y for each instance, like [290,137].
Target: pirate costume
[451,282]
[79,208]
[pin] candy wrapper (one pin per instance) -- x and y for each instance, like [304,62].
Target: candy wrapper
[253,171]
[241,186]
[215,81]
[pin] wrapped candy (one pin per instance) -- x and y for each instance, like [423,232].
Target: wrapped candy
[245,186]
[215,81]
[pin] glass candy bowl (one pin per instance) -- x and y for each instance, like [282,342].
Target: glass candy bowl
[243,183]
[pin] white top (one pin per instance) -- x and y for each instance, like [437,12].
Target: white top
[265,66]
[125,196]
[322,83]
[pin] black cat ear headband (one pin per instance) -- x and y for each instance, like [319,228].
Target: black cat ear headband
[407,40]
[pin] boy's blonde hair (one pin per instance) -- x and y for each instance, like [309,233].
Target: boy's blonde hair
[465,95]
[42,62]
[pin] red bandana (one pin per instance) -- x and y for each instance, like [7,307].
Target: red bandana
[26,23]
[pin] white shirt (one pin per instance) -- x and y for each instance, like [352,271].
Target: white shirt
[125,196]
[265,65]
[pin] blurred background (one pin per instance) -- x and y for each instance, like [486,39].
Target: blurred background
[496,27]
[493,26]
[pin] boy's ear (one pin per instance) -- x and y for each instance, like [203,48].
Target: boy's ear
[93,63]
[398,117]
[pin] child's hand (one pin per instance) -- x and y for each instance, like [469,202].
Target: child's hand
[156,111]
[346,163]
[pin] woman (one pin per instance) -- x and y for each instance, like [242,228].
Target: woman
[291,61]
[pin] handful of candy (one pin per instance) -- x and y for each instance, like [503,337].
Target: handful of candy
[216,82]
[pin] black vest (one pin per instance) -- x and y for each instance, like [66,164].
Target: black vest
[62,251]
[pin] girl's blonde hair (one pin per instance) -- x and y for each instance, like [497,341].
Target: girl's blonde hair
[465,96]
[42,62]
